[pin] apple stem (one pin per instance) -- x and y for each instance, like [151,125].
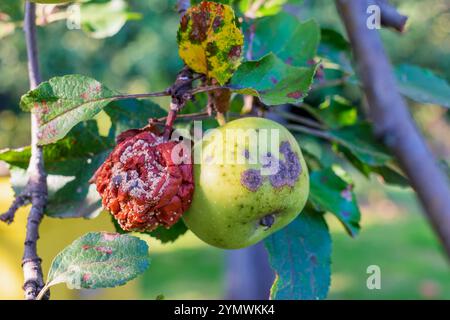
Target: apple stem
[220,117]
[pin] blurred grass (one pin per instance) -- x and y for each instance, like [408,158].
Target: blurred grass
[400,242]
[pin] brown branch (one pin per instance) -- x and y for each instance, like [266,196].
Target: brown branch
[392,120]
[206,89]
[20,200]
[182,6]
[37,183]
[390,17]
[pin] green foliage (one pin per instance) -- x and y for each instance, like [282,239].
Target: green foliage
[298,47]
[422,85]
[267,8]
[300,254]
[62,102]
[329,192]
[99,260]
[105,19]
[162,234]
[285,50]
[273,81]
[69,163]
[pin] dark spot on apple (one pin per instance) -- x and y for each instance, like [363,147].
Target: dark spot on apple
[289,60]
[289,170]
[246,154]
[251,179]
[267,221]
[274,80]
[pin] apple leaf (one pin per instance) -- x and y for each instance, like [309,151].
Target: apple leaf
[210,41]
[105,19]
[99,260]
[162,234]
[422,85]
[329,192]
[266,8]
[131,113]
[300,254]
[335,112]
[359,139]
[297,47]
[334,47]
[273,81]
[69,163]
[62,102]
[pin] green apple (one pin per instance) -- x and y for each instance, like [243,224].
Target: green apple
[250,181]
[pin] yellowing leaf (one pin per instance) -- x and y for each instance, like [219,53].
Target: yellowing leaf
[210,41]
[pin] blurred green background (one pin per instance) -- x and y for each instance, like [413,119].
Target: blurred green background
[143,57]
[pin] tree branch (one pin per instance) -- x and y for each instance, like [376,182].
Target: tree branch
[21,200]
[37,183]
[390,17]
[392,120]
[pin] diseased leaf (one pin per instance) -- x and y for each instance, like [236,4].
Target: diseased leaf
[300,254]
[62,102]
[298,47]
[273,81]
[210,41]
[329,192]
[422,85]
[99,260]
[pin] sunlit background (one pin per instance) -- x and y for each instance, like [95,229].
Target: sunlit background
[143,57]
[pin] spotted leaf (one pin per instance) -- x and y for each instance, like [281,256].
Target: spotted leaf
[62,102]
[210,41]
[99,260]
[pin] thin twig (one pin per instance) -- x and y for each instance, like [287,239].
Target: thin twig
[314,132]
[390,17]
[300,119]
[186,116]
[140,95]
[206,89]
[37,183]
[329,83]
[20,200]
[392,121]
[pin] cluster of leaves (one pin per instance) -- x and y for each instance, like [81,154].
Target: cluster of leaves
[97,18]
[280,68]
